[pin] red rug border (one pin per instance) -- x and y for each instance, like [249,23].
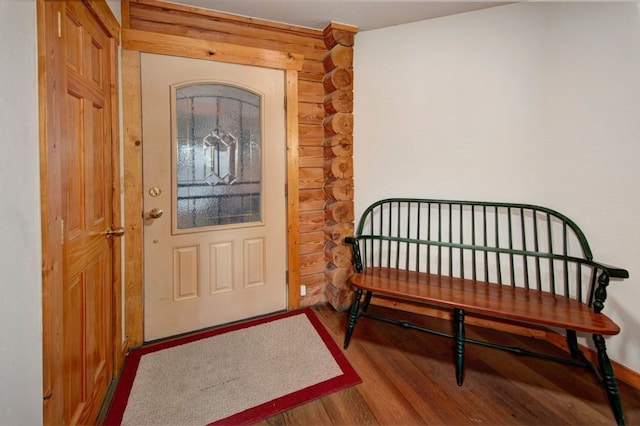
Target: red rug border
[349,376]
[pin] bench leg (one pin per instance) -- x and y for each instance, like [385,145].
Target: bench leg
[367,301]
[458,332]
[572,342]
[353,317]
[608,379]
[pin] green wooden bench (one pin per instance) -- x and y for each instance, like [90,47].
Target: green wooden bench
[522,263]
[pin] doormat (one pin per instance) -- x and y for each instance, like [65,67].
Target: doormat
[238,374]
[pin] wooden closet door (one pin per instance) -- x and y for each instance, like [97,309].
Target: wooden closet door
[86,178]
[78,303]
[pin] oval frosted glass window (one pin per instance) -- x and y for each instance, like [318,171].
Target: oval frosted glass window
[218,168]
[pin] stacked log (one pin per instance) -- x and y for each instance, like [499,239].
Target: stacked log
[338,161]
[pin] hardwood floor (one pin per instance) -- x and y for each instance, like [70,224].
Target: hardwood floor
[408,379]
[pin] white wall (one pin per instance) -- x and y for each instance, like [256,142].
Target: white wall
[530,102]
[20,250]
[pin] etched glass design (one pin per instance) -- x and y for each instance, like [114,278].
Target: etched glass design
[219,166]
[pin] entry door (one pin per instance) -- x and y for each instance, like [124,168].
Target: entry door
[214,193]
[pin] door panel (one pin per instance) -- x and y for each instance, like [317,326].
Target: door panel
[80,326]
[214,171]
[87,251]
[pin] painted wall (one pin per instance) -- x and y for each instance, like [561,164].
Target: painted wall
[531,102]
[20,251]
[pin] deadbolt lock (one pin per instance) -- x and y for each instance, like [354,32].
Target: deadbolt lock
[155,191]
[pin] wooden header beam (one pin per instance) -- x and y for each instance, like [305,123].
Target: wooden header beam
[150,42]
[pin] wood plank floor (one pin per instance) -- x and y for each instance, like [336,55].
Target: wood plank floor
[409,379]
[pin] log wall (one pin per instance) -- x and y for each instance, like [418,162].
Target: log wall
[338,161]
[324,183]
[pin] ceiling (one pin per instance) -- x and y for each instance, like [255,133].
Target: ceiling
[364,14]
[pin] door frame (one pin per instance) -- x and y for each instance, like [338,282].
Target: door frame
[49,70]
[135,42]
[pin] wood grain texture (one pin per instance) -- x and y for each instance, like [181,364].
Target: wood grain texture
[338,79]
[338,254]
[311,134]
[339,189]
[151,42]
[311,221]
[338,56]
[311,156]
[212,19]
[132,150]
[311,178]
[310,91]
[340,123]
[311,242]
[312,199]
[339,34]
[311,113]
[409,379]
[80,190]
[49,71]
[338,169]
[339,211]
[338,101]
[513,303]
[337,232]
[293,189]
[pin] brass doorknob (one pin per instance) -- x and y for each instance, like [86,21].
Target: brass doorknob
[114,232]
[155,213]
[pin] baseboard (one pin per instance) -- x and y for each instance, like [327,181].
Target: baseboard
[623,373]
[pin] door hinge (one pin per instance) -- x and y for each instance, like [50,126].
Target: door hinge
[286,189]
[59,25]
[286,277]
[61,231]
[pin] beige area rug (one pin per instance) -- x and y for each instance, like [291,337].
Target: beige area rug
[233,375]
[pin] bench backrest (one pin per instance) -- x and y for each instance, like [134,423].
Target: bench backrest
[510,244]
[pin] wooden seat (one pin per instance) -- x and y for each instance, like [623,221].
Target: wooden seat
[518,263]
[514,303]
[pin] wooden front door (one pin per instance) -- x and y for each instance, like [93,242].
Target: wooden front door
[79,199]
[214,193]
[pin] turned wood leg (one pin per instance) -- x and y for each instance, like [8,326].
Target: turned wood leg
[353,317]
[608,379]
[458,332]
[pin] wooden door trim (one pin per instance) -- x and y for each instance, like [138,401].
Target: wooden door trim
[49,69]
[132,151]
[132,146]
[51,210]
[293,194]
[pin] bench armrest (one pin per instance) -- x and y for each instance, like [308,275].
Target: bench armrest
[612,271]
[600,293]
